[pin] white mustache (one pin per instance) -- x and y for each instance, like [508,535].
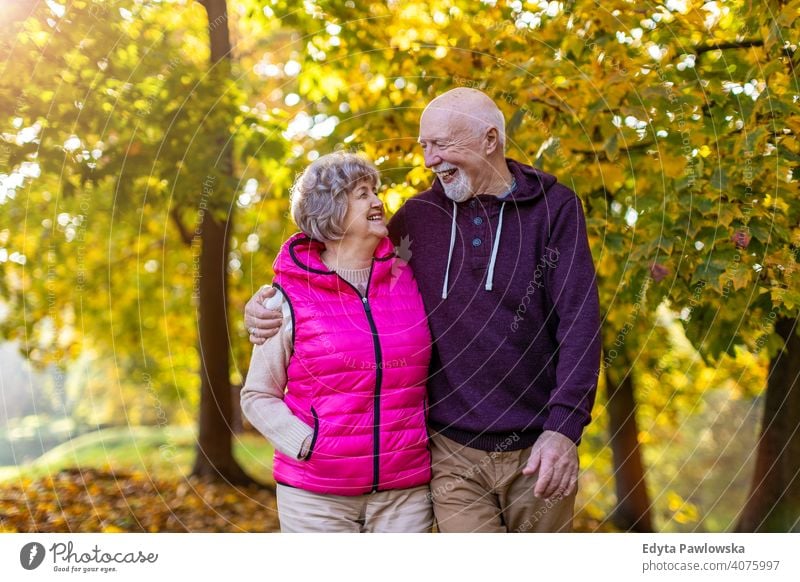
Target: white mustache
[443,168]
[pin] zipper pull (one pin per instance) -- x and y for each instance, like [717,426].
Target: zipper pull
[366,304]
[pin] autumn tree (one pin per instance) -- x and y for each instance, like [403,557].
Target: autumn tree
[121,131]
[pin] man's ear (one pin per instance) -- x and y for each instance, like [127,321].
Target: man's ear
[492,140]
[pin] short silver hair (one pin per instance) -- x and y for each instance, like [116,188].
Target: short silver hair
[494,118]
[319,194]
[481,123]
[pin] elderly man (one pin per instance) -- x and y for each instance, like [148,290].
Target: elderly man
[501,257]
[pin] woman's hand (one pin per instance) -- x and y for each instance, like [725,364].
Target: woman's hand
[262,323]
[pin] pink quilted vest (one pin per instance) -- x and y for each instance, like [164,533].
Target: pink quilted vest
[357,374]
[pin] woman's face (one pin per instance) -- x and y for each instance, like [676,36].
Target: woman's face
[364,217]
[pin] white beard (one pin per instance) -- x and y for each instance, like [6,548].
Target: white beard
[460,189]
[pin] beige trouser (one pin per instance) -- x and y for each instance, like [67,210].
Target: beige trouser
[396,511]
[479,491]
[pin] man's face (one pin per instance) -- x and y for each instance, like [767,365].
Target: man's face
[453,151]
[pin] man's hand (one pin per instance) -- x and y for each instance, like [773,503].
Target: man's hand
[555,457]
[261,323]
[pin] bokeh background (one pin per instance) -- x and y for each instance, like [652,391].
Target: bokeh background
[146,151]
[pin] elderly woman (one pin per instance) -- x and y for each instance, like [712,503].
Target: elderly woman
[340,390]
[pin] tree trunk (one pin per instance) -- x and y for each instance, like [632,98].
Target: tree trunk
[214,458]
[632,512]
[774,501]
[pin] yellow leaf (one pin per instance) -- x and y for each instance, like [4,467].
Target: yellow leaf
[771,202]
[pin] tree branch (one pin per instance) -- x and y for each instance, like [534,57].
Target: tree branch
[186,236]
[721,46]
[551,104]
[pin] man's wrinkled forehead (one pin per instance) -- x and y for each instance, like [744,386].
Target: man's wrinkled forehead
[441,123]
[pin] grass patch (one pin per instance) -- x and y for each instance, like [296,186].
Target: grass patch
[167,452]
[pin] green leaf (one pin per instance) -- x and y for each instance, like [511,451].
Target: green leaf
[611,146]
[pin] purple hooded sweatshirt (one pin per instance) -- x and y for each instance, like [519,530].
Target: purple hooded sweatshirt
[509,287]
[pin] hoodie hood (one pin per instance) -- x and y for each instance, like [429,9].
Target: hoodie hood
[529,183]
[300,257]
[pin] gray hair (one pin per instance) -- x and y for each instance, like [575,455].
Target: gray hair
[319,194]
[481,122]
[494,118]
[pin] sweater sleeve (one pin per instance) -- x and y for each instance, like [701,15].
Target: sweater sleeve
[572,286]
[262,394]
[397,225]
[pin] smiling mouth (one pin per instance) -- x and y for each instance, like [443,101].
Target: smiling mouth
[375,217]
[447,175]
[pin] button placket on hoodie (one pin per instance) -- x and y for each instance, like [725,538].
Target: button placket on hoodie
[479,233]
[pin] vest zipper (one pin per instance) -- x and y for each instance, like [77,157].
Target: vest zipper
[376,431]
[376,399]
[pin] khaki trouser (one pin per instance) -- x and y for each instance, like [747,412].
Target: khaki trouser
[480,491]
[395,511]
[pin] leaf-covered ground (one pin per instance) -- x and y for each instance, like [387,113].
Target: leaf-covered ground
[121,480]
[92,500]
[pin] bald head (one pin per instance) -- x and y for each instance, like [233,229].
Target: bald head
[468,110]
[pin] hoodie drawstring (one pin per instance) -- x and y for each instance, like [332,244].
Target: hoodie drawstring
[495,246]
[450,254]
[493,260]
